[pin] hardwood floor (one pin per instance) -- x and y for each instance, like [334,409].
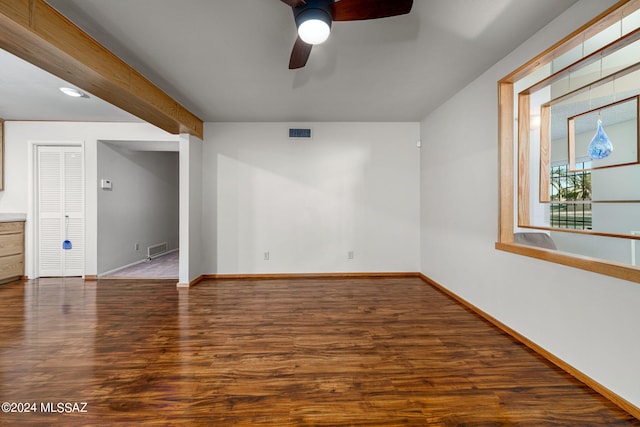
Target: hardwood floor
[356,352]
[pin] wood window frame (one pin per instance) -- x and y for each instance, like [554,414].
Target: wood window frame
[507,146]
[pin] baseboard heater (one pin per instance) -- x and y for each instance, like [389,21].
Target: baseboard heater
[157,250]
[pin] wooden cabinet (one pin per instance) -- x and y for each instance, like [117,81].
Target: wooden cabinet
[11,251]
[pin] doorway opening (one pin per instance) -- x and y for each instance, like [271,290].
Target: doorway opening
[138,209]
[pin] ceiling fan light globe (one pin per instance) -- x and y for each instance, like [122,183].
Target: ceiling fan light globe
[314,31]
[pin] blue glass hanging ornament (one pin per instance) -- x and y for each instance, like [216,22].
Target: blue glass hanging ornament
[600,146]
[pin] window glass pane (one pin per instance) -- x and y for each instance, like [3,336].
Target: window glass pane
[567,58]
[574,188]
[602,39]
[606,248]
[631,22]
[620,59]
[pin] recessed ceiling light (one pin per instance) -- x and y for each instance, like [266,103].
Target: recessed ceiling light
[76,93]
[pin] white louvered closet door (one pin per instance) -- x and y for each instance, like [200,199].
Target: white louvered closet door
[60,211]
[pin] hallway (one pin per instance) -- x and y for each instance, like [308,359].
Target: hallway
[162,267]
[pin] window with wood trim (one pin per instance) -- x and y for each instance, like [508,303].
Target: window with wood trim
[550,111]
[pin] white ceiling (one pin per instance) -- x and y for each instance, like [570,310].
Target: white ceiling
[28,93]
[226,60]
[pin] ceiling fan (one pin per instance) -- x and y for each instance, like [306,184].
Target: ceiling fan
[314,18]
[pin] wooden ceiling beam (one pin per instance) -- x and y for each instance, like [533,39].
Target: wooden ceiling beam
[39,34]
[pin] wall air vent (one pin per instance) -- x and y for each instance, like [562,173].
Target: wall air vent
[300,133]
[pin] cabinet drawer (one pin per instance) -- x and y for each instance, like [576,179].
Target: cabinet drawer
[11,266]
[11,227]
[11,244]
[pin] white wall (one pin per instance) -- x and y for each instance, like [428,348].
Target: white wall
[19,140]
[141,207]
[354,187]
[586,319]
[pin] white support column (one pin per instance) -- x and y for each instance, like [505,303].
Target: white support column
[190,210]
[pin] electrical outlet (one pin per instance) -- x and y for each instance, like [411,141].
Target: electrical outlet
[350,255]
[266,256]
[137,246]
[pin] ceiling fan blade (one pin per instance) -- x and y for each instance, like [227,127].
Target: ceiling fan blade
[294,3]
[356,10]
[299,54]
